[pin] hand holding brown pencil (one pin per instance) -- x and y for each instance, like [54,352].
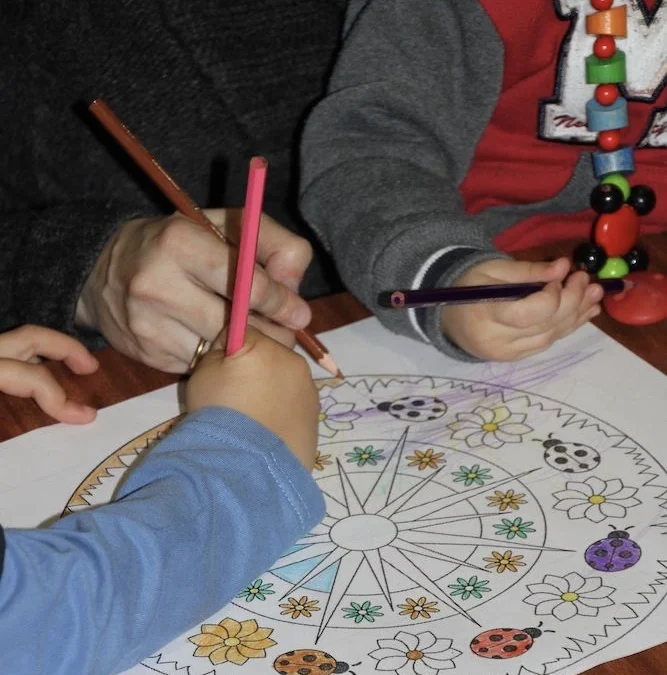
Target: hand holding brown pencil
[183,203]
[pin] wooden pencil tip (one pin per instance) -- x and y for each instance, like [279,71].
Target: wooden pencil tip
[327,362]
[340,375]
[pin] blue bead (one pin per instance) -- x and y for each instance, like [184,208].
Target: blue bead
[617,161]
[603,117]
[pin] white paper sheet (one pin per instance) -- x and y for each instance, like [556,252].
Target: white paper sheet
[443,468]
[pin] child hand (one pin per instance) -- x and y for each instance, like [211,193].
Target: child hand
[21,373]
[266,381]
[508,331]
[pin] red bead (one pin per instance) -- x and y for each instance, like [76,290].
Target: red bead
[606,94]
[617,232]
[609,140]
[601,5]
[604,47]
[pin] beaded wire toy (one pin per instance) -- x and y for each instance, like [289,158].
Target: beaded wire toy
[614,252]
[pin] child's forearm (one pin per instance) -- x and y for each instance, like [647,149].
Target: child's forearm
[211,506]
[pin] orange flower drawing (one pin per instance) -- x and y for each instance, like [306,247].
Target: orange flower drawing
[300,607]
[232,641]
[426,459]
[321,461]
[419,608]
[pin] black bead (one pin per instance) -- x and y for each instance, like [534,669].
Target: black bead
[589,257]
[606,198]
[642,199]
[637,259]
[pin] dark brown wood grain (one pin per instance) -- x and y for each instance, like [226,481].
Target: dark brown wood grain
[120,378]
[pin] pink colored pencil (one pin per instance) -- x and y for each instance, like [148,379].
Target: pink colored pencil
[245,269]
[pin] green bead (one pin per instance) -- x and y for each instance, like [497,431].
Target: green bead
[606,71]
[614,268]
[620,181]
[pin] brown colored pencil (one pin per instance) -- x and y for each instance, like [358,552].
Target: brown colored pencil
[183,203]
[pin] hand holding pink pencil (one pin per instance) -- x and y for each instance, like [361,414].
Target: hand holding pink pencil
[245,269]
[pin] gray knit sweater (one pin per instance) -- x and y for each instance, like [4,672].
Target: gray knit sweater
[385,152]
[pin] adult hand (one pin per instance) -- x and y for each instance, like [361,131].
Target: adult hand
[22,374]
[508,331]
[265,381]
[161,284]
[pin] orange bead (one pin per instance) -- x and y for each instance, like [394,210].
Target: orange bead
[604,47]
[606,94]
[609,140]
[601,5]
[610,22]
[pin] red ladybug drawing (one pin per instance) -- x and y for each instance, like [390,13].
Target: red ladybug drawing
[505,643]
[309,662]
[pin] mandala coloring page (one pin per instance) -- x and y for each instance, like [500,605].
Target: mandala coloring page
[470,529]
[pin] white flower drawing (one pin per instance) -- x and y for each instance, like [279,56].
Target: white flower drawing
[415,654]
[335,416]
[489,426]
[565,597]
[596,499]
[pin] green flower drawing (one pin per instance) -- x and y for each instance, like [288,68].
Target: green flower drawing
[363,612]
[514,528]
[363,456]
[471,476]
[466,588]
[256,591]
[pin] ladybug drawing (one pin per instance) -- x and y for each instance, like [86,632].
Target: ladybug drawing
[309,662]
[615,553]
[415,408]
[569,457]
[505,643]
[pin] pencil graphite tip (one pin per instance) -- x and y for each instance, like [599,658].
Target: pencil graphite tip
[329,364]
[340,375]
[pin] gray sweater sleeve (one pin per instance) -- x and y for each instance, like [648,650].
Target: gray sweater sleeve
[384,153]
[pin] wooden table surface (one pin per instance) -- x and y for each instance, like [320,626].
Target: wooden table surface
[120,378]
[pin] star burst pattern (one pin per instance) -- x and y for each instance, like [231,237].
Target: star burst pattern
[397,526]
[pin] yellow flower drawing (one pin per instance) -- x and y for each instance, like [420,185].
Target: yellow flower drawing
[506,561]
[419,608]
[426,459]
[507,500]
[300,607]
[321,461]
[232,641]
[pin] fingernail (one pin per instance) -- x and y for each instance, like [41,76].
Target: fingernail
[594,292]
[300,316]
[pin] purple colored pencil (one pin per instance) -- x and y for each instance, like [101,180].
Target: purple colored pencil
[459,295]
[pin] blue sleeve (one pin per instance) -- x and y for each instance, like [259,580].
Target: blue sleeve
[210,507]
[2,551]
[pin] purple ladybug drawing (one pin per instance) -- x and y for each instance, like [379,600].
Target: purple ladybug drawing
[615,553]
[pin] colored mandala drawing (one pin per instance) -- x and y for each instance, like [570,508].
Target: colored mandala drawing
[449,504]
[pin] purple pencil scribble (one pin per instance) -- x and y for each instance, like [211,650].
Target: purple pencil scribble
[498,376]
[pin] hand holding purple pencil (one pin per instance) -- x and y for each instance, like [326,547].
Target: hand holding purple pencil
[548,303]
